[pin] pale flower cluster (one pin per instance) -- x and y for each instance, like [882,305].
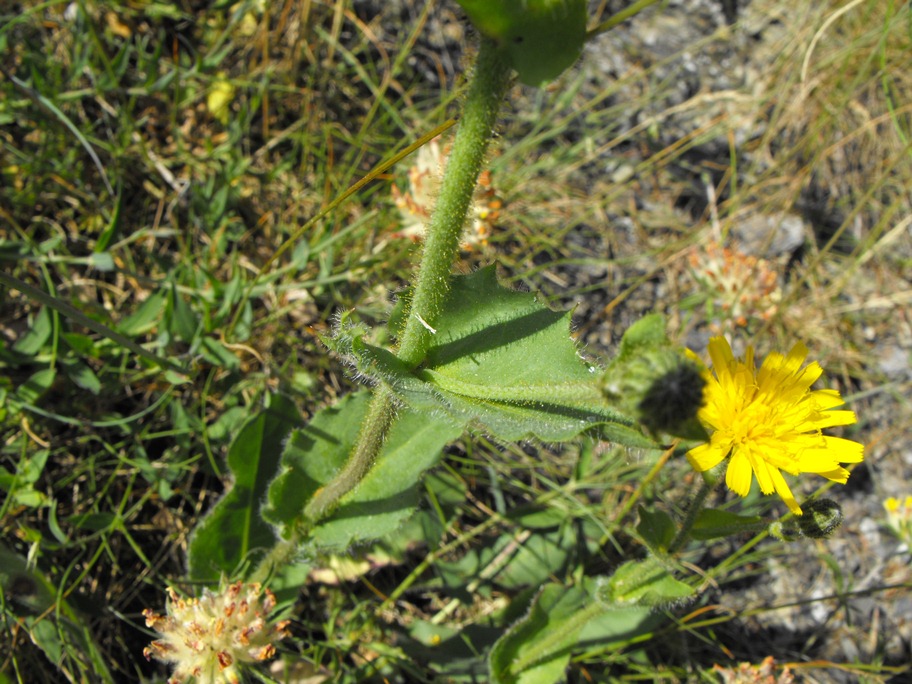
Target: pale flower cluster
[744,287]
[766,672]
[210,638]
[416,203]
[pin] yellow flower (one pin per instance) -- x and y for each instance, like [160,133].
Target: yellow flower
[769,420]
[899,517]
[219,99]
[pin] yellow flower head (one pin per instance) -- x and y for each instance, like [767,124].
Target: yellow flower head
[769,420]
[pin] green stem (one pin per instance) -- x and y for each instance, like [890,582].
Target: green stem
[486,93]
[696,505]
[489,85]
[376,424]
[279,556]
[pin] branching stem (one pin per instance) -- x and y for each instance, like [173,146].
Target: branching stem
[476,127]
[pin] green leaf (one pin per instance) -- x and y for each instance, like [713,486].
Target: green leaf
[145,317]
[619,625]
[110,231]
[539,558]
[37,336]
[233,529]
[536,650]
[538,517]
[656,528]
[81,344]
[384,498]
[712,523]
[34,388]
[29,497]
[646,582]
[182,322]
[31,467]
[95,522]
[311,457]
[502,362]
[54,524]
[81,375]
[218,354]
[546,553]
[541,38]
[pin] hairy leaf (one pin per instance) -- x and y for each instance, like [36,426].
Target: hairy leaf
[560,619]
[541,38]
[536,650]
[656,528]
[385,497]
[503,362]
[646,582]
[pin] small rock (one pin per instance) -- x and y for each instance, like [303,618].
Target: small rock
[893,361]
[769,235]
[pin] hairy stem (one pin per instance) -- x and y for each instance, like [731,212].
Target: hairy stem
[376,424]
[486,93]
[693,510]
[279,555]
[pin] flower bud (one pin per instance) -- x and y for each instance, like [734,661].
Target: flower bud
[655,381]
[784,532]
[821,518]
[671,402]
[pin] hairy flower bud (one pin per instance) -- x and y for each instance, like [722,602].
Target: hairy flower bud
[671,402]
[821,518]
[656,382]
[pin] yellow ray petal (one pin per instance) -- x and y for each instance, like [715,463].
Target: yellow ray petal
[705,456]
[738,474]
[845,450]
[782,489]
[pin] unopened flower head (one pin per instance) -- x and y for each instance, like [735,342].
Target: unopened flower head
[210,638]
[768,420]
